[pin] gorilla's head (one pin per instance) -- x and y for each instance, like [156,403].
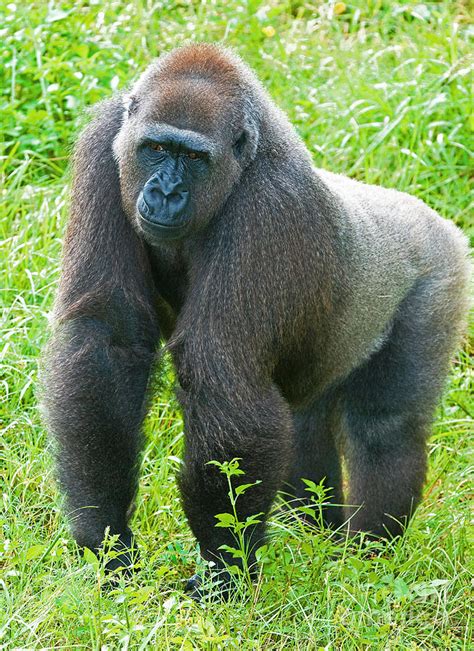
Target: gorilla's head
[190,129]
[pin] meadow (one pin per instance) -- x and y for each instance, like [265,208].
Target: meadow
[379,90]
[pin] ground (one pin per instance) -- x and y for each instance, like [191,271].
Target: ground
[378,90]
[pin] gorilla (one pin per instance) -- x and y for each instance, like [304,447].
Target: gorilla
[310,317]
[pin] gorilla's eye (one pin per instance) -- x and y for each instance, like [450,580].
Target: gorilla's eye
[156,146]
[193,155]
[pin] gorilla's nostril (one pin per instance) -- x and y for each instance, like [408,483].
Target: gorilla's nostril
[152,195]
[176,203]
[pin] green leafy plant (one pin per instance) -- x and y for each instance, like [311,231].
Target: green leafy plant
[231,520]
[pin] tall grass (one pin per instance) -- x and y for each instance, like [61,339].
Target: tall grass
[379,90]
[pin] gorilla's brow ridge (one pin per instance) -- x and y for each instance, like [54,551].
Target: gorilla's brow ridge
[193,139]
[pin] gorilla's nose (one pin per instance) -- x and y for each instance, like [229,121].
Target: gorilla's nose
[157,192]
[169,185]
[165,197]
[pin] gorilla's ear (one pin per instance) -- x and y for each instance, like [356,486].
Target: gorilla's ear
[239,145]
[245,147]
[130,104]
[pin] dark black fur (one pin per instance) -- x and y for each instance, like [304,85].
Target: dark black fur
[305,313]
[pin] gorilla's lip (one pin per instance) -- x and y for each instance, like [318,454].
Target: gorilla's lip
[157,229]
[161,230]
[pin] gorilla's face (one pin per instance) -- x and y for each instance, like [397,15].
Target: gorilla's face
[178,160]
[176,165]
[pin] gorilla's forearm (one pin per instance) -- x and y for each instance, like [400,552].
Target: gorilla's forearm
[95,401]
[224,422]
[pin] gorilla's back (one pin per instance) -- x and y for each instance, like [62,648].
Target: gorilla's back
[404,229]
[394,240]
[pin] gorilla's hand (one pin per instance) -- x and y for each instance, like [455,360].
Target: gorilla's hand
[125,555]
[220,586]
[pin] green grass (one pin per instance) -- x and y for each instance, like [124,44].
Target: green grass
[382,92]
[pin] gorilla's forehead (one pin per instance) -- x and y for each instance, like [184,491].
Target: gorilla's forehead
[189,102]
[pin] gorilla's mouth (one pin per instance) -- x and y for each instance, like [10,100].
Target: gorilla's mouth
[159,227]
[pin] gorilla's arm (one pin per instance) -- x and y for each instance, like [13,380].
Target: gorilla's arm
[229,414]
[100,357]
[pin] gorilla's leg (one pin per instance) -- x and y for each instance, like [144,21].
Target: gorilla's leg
[389,404]
[387,464]
[317,458]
